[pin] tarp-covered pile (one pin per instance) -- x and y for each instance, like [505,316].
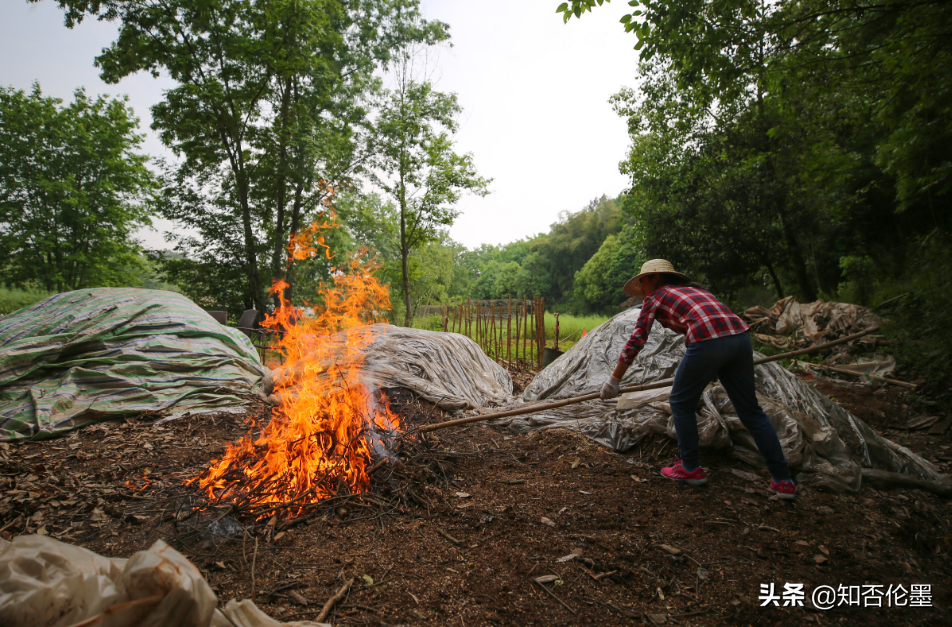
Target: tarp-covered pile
[447,369]
[48,583]
[825,444]
[790,323]
[96,354]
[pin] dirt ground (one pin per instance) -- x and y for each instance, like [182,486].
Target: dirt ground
[458,532]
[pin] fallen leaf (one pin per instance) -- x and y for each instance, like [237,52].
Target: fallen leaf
[823,550]
[221,565]
[669,549]
[465,505]
[571,556]
[279,535]
[548,521]
[802,543]
[584,492]
[819,559]
[368,580]
[639,479]
[547,579]
[575,463]
[561,511]
[703,574]
[463,495]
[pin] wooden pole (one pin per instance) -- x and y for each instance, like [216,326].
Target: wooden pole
[632,388]
[525,322]
[493,343]
[479,330]
[509,335]
[530,333]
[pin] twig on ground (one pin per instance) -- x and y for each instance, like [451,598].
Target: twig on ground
[333,600]
[254,561]
[448,536]
[552,594]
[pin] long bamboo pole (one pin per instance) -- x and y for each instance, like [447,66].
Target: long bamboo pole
[632,388]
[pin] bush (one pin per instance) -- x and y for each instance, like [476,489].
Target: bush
[919,321]
[12,298]
[860,280]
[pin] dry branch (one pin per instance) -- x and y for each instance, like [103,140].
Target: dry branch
[331,602]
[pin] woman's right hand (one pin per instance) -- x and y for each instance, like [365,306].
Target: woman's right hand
[610,389]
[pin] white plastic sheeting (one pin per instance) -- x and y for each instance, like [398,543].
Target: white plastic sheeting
[48,583]
[447,369]
[825,444]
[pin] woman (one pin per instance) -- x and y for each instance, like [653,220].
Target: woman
[717,346]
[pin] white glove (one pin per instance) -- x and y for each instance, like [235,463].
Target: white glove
[610,389]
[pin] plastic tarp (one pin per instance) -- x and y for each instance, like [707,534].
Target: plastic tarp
[95,354]
[816,322]
[825,444]
[447,369]
[48,583]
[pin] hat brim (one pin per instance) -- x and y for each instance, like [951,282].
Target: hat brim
[633,286]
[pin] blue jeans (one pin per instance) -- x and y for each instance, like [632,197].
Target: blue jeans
[731,360]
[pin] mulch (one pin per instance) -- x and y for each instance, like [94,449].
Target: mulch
[460,529]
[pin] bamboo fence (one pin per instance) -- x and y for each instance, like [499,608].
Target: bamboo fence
[512,332]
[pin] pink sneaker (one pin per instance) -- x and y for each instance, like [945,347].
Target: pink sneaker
[678,473]
[786,489]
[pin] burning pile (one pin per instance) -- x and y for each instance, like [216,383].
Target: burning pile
[324,432]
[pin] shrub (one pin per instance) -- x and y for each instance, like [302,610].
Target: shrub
[919,320]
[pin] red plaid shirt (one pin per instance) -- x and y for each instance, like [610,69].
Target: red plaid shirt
[692,312]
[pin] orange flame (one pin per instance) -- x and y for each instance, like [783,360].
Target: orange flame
[321,435]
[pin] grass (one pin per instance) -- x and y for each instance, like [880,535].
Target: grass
[570,328]
[12,298]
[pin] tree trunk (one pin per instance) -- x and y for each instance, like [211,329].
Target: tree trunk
[277,259]
[807,290]
[295,226]
[405,253]
[778,286]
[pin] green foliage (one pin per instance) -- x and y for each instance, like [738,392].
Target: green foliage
[14,298]
[265,118]
[72,190]
[920,320]
[860,279]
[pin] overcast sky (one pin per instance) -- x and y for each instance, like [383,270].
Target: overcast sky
[534,93]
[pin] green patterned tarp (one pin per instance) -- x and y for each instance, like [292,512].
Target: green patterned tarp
[97,354]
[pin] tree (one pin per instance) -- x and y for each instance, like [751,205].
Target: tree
[263,118]
[416,165]
[896,56]
[72,190]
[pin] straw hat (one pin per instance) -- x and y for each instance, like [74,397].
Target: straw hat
[655,266]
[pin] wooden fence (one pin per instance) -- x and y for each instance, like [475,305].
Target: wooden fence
[512,332]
